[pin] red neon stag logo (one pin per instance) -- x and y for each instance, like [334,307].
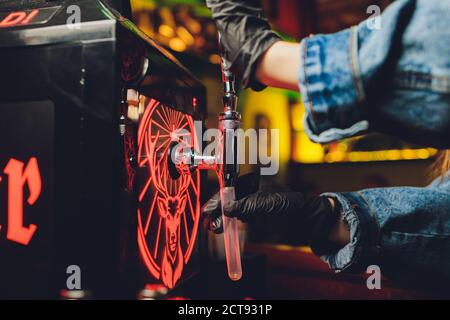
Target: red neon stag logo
[18,179]
[167,237]
[170,209]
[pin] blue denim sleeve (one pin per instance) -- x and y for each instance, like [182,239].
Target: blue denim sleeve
[395,79]
[404,230]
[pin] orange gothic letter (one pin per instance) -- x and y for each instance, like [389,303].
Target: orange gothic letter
[18,178]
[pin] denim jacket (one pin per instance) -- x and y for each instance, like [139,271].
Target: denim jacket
[395,79]
[403,230]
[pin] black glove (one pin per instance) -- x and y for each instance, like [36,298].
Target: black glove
[245,36]
[308,218]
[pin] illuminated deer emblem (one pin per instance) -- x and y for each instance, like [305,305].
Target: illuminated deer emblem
[171,206]
[169,215]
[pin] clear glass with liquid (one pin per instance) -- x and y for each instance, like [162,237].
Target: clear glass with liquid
[231,237]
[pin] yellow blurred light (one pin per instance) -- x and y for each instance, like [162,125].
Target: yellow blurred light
[394,155]
[334,157]
[194,26]
[379,156]
[307,151]
[337,156]
[177,44]
[184,35]
[343,147]
[391,155]
[423,154]
[408,154]
[167,16]
[214,59]
[297,114]
[272,104]
[364,156]
[138,5]
[305,249]
[166,31]
[353,156]
[328,158]
[367,156]
[285,247]
[432,151]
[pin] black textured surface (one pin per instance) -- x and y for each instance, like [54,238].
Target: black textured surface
[123,6]
[14,4]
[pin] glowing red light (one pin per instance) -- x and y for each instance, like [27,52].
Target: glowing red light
[170,208]
[18,179]
[13,18]
[30,17]
[178,298]
[18,18]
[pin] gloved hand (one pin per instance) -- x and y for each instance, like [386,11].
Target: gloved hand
[308,218]
[245,36]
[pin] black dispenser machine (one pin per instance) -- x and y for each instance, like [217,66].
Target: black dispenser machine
[89,106]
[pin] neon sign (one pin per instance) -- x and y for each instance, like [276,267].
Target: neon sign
[20,177]
[27,17]
[169,210]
